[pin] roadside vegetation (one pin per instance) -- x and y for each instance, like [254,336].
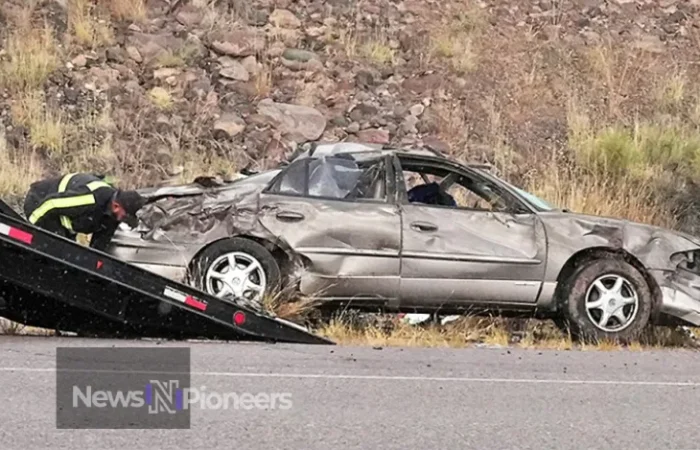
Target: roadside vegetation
[469,331]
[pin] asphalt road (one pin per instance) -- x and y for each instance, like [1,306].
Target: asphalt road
[363,398]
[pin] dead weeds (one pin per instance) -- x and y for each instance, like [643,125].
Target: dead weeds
[457,41]
[133,10]
[469,331]
[31,54]
[89,26]
[47,128]
[18,169]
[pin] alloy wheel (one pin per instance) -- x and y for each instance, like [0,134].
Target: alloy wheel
[612,303]
[238,275]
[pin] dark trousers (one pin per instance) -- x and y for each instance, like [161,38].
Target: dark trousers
[31,202]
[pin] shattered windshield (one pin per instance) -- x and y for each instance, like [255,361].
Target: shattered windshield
[533,199]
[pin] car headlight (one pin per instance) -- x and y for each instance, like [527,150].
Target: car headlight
[687,260]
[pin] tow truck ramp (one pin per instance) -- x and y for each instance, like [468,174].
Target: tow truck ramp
[51,282]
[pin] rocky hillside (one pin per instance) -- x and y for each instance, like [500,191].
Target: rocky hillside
[591,103]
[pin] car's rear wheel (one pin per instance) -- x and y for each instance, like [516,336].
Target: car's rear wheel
[607,299]
[239,269]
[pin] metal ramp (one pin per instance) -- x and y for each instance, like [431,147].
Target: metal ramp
[51,282]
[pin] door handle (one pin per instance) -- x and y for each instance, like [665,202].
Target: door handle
[424,226]
[290,216]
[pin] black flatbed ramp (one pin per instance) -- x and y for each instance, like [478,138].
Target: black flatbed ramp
[51,282]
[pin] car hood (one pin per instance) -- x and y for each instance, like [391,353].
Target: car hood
[652,245]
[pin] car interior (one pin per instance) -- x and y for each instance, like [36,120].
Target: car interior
[348,178]
[437,186]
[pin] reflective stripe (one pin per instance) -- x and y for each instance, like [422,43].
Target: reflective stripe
[65,221]
[72,202]
[97,184]
[57,203]
[64,182]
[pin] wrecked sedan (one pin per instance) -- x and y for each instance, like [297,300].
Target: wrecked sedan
[412,231]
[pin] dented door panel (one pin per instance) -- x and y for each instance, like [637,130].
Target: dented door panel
[350,249]
[457,255]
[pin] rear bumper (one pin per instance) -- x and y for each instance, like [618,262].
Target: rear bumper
[156,260]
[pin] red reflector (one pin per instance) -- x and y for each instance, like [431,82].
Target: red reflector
[184,298]
[99,264]
[21,235]
[16,233]
[239,318]
[189,300]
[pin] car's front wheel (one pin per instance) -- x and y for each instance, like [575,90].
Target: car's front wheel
[607,299]
[238,269]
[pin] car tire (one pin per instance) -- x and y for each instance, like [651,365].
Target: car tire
[216,258]
[591,293]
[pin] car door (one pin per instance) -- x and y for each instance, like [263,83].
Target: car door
[468,253]
[336,215]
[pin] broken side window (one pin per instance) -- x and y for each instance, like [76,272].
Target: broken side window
[336,177]
[293,180]
[442,187]
[332,177]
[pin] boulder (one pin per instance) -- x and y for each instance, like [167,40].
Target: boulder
[298,121]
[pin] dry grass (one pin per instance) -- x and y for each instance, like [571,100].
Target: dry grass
[133,10]
[161,98]
[89,28]
[457,41]
[18,169]
[47,129]
[194,165]
[617,72]
[671,91]
[296,310]
[622,170]
[170,59]
[90,139]
[457,48]
[469,331]
[377,49]
[590,193]
[401,335]
[31,55]
[263,80]
[179,57]
[349,42]
[452,124]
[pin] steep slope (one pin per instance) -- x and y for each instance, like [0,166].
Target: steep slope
[594,104]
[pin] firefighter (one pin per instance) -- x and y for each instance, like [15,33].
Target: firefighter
[81,203]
